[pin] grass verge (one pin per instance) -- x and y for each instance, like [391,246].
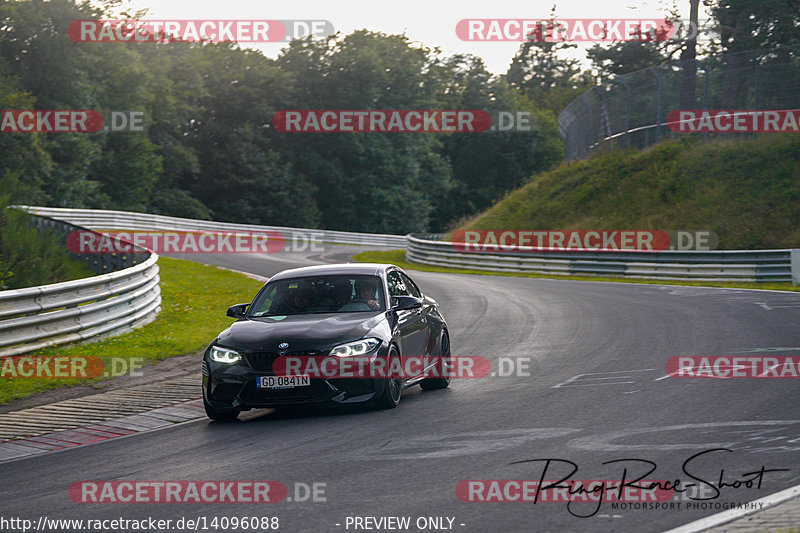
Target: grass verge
[398,258]
[194,299]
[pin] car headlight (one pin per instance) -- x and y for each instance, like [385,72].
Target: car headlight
[361,347]
[224,355]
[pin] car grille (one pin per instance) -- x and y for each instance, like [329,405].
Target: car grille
[262,361]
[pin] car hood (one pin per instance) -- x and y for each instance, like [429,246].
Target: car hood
[301,332]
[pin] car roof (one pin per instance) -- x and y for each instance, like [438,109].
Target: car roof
[365,269]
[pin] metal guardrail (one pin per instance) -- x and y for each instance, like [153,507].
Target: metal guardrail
[125,220]
[742,265]
[37,317]
[124,295]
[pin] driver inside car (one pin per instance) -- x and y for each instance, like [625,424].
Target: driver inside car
[365,290]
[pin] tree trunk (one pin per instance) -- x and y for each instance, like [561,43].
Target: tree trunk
[688,63]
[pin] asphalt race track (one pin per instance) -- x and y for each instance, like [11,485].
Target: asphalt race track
[596,392]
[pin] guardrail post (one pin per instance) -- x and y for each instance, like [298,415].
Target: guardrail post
[795,260]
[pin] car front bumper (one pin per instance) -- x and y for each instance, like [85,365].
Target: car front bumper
[234,386]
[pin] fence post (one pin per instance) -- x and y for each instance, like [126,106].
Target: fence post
[660,95]
[587,142]
[795,260]
[705,84]
[628,97]
[757,84]
[705,91]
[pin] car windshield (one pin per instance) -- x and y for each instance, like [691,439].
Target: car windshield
[319,294]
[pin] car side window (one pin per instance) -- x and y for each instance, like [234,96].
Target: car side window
[411,286]
[396,285]
[266,302]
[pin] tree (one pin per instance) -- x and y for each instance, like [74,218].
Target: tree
[209,148]
[22,154]
[378,182]
[490,164]
[756,24]
[753,25]
[540,70]
[62,74]
[623,58]
[552,81]
[242,177]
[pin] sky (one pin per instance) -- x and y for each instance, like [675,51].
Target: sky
[430,23]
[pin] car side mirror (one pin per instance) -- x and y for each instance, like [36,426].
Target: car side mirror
[238,310]
[403,303]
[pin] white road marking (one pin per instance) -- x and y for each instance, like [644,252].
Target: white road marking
[457,444]
[569,383]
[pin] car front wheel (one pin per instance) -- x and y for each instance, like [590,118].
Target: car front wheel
[392,388]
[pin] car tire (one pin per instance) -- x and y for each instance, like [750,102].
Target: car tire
[392,390]
[222,415]
[444,380]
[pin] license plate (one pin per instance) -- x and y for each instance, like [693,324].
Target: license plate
[283,382]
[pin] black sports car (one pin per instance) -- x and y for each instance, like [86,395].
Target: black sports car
[370,312]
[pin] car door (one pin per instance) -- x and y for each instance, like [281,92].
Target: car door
[410,322]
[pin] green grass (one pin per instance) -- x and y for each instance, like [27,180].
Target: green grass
[747,192]
[398,258]
[194,300]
